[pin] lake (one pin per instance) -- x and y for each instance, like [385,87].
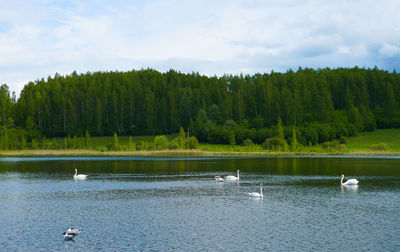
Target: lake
[174,204]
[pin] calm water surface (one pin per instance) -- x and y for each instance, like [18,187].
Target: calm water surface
[161,204]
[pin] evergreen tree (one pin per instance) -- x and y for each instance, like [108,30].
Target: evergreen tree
[5,140]
[130,144]
[87,140]
[23,142]
[115,140]
[114,145]
[75,142]
[279,129]
[294,143]
[181,139]
[35,144]
[70,143]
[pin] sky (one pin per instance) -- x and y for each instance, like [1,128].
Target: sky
[213,37]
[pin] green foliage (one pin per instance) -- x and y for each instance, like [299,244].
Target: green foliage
[35,144]
[230,125]
[258,122]
[380,146]
[54,144]
[46,145]
[247,142]
[70,143]
[310,135]
[274,144]
[279,129]
[114,144]
[181,139]
[333,146]
[148,102]
[322,104]
[115,140]
[23,142]
[131,145]
[161,142]
[294,144]
[192,143]
[140,146]
[222,135]
[10,123]
[173,145]
[88,143]
[232,140]
[4,142]
[6,104]
[75,142]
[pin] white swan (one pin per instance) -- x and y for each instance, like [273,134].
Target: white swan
[80,176]
[71,233]
[256,194]
[218,179]
[348,182]
[230,177]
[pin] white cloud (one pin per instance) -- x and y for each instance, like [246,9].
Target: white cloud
[40,38]
[388,50]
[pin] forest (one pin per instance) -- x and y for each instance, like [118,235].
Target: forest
[312,106]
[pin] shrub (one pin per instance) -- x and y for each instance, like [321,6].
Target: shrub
[232,137]
[192,143]
[247,142]
[140,146]
[333,145]
[35,144]
[274,144]
[380,146]
[173,145]
[114,145]
[161,142]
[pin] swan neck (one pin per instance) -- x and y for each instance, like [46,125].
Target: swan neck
[238,174]
[341,180]
[76,172]
[261,192]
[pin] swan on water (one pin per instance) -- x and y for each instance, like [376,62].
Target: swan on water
[218,179]
[74,231]
[348,182]
[231,177]
[256,194]
[71,233]
[80,176]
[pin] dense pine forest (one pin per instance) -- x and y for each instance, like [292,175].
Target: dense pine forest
[311,106]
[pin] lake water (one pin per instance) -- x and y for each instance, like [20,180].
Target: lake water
[174,204]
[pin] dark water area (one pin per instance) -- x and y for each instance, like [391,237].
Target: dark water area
[174,204]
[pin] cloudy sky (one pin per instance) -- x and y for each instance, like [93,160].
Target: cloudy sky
[39,38]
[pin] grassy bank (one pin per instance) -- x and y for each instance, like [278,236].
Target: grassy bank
[364,141]
[362,144]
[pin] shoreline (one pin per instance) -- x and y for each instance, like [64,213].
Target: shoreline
[190,153]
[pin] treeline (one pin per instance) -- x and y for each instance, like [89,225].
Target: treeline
[319,105]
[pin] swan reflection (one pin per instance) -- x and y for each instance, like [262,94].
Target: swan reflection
[352,188]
